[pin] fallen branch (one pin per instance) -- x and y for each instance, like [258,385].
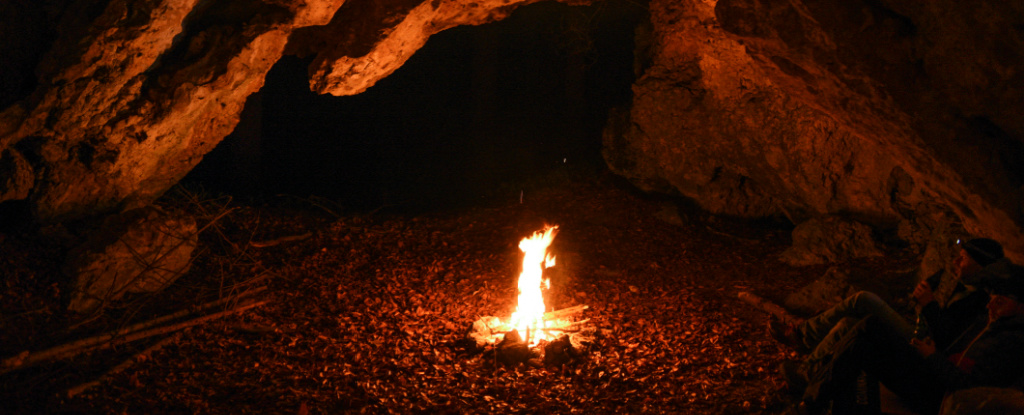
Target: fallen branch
[278,241]
[768,306]
[26,359]
[183,313]
[138,357]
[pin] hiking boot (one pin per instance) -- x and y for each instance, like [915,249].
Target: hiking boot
[787,334]
[795,376]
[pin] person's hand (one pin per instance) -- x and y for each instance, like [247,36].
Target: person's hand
[925,346]
[923,294]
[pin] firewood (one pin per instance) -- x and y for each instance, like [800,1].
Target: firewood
[565,312]
[560,325]
[26,359]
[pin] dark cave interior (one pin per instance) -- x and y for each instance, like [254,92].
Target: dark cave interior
[314,222]
[477,107]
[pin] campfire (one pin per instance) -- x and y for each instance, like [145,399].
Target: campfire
[518,338]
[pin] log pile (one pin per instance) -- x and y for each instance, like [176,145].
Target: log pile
[492,337]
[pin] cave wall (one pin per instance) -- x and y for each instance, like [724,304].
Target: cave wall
[129,95]
[893,113]
[899,114]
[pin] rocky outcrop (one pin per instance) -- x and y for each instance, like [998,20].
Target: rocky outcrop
[830,240]
[129,95]
[140,251]
[132,94]
[892,113]
[895,113]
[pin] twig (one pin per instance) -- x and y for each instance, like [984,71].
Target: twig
[182,313]
[138,357]
[278,241]
[106,340]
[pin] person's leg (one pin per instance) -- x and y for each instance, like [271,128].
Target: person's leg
[836,371]
[873,346]
[823,351]
[857,306]
[900,367]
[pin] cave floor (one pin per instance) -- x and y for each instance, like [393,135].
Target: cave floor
[367,314]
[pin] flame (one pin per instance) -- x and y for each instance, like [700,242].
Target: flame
[528,318]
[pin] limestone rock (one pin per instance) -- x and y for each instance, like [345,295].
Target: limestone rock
[808,109]
[129,96]
[829,240]
[139,251]
[15,176]
[839,283]
[887,111]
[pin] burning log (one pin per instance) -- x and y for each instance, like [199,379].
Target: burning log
[518,339]
[489,330]
[507,346]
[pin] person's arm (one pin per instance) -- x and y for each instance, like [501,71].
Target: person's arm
[947,324]
[993,360]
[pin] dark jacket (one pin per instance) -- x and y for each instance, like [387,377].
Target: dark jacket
[947,324]
[994,358]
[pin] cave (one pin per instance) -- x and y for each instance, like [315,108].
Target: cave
[475,109]
[322,206]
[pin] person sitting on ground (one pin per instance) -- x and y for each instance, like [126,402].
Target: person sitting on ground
[817,335]
[917,371]
[948,321]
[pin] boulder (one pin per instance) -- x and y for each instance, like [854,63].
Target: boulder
[838,283]
[889,112]
[140,251]
[829,240]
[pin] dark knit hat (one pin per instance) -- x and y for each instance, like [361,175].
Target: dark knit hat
[984,251]
[1007,280]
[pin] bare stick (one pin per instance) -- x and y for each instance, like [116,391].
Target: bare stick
[562,330]
[554,315]
[768,306]
[26,359]
[182,313]
[278,241]
[138,357]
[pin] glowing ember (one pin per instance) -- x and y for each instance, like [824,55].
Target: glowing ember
[529,316]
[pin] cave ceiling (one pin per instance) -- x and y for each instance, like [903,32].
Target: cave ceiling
[900,114]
